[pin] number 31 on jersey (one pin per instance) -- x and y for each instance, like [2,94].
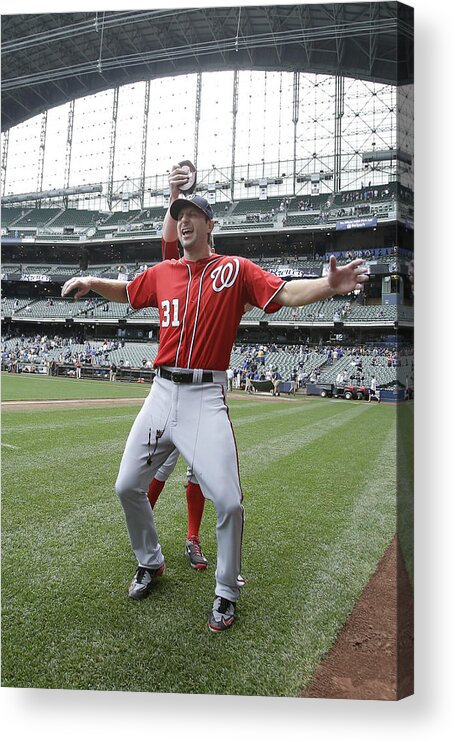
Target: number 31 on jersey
[170,313]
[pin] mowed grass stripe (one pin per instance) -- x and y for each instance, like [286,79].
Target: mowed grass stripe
[58,420]
[34,387]
[67,423]
[37,456]
[81,438]
[49,450]
[267,412]
[300,436]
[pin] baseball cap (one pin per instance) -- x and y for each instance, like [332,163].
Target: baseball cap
[195,200]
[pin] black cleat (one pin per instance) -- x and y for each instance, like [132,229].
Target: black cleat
[143,580]
[222,615]
[194,554]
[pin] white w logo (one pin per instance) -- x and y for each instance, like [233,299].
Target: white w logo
[224,276]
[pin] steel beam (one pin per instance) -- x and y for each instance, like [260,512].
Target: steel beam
[110,183]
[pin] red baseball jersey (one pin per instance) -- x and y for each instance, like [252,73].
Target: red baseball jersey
[201,304]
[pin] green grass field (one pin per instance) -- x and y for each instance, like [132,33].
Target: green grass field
[25,387]
[319,482]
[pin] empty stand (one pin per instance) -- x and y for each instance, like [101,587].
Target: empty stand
[82,218]
[35,218]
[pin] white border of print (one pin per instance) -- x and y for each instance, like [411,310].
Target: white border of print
[75,715]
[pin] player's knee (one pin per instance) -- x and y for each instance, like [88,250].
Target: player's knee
[126,487]
[231,509]
[119,489]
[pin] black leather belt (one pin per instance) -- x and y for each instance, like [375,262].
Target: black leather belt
[183,377]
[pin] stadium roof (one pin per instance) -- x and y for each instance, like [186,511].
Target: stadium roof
[51,58]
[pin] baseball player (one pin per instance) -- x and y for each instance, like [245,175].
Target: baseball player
[201,299]
[194,497]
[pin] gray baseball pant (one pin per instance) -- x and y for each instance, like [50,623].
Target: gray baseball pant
[165,471]
[193,418]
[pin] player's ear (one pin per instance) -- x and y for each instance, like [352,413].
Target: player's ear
[210,225]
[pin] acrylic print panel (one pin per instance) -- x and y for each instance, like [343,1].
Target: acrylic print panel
[299,159]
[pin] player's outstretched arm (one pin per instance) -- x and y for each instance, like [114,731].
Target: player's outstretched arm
[108,288]
[342,280]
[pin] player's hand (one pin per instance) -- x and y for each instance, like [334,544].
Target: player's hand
[76,287]
[178,176]
[349,277]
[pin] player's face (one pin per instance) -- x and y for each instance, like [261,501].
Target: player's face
[192,228]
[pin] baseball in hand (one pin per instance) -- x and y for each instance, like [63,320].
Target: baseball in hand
[190,185]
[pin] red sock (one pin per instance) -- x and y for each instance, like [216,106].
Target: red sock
[154,491]
[196,501]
